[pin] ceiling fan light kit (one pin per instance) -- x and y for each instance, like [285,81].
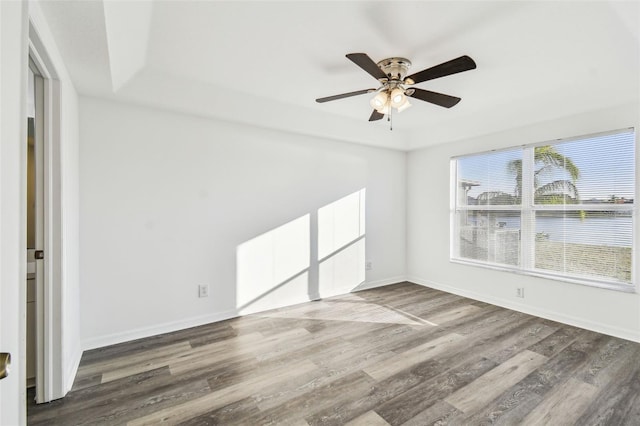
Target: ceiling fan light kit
[379,101]
[391,73]
[404,106]
[398,98]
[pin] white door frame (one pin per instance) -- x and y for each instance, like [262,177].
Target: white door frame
[13,160]
[50,367]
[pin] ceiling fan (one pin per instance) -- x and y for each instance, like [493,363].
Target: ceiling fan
[392,75]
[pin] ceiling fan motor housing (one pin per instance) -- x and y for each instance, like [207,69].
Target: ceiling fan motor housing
[395,68]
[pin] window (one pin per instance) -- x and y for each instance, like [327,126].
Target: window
[562,209]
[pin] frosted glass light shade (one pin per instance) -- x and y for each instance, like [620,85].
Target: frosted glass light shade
[379,100]
[384,109]
[404,106]
[398,97]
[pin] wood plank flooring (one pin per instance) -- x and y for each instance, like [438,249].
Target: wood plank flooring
[397,355]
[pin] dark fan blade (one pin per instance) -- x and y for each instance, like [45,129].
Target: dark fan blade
[366,63]
[454,66]
[375,115]
[344,95]
[433,97]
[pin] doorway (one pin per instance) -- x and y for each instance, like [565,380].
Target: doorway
[35,229]
[45,259]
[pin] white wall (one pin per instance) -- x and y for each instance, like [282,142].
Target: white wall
[171,201]
[428,262]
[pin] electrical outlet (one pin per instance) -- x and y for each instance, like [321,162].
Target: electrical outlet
[520,292]
[203,290]
[368,265]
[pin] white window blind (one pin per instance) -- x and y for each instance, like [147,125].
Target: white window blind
[562,209]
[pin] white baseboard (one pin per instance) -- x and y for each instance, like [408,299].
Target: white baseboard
[282,304]
[97,342]
[623,333]
[168,327]
[367,285]
[142,332]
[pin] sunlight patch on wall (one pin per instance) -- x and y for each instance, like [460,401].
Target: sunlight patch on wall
[341,244]
[343,270]
[341,223]
[273,267]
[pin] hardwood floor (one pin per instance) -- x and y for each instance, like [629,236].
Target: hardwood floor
[398,355]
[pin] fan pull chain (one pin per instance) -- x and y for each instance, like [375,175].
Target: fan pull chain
[390,118]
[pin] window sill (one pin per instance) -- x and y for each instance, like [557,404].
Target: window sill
[607,285]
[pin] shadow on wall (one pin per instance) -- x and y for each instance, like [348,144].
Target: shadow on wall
[317,255]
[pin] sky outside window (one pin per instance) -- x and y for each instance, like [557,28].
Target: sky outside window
[606,164]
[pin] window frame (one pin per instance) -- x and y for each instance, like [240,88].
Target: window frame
[528,210]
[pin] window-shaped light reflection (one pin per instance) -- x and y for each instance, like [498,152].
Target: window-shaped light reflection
[341,244]
[274,266]
[341,223]
[342,271]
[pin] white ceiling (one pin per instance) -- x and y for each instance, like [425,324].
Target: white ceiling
[265,63]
